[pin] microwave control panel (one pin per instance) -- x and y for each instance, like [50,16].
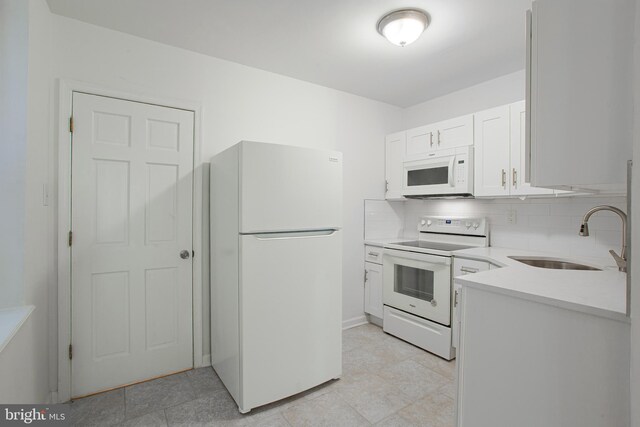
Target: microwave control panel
[461,171]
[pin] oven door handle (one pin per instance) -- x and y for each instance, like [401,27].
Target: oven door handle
[451,163]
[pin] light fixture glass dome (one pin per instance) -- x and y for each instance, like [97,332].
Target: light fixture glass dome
[404,26]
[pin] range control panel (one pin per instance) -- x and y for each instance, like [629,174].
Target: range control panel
[471,226]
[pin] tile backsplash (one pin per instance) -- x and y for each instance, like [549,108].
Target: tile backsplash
[545,224]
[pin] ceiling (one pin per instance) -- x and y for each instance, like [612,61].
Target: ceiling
[333,43]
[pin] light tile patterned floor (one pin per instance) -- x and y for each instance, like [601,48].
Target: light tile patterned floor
[385,382]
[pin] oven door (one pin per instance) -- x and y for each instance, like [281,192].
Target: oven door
[418,283]
[434,175]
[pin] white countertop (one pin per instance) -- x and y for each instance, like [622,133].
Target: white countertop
[601,293]
[381,242]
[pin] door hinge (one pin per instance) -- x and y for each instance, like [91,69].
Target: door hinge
[71,124]
[70,237]
[193,254]
[70,352]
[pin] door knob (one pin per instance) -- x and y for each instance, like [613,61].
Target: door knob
[184,254]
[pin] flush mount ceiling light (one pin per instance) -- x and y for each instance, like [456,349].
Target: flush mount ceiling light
[404,26]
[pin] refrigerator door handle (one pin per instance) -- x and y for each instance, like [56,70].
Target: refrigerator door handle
[295,234]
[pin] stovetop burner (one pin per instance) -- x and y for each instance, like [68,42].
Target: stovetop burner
[432,245]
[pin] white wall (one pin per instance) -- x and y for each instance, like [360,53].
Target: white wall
[25,251]
[13,122]
[238,103]
[635,238]
[500,91]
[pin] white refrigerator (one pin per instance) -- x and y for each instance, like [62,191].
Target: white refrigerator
[276,270]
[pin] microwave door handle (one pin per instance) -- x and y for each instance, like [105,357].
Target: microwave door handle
[451,162]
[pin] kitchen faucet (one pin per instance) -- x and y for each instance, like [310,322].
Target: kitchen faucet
[621,259]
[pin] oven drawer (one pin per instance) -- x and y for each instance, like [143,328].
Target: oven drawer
[373,254]
[420,332]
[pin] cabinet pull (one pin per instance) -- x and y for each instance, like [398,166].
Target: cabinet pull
[470,270]
[366,274]
[375,254]
[504,178]
[515,178]
[431,139]
[438,137]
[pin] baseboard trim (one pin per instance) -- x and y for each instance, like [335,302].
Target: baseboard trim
[53,398]
[353,322]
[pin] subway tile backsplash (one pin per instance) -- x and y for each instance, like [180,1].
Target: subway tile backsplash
[540,224]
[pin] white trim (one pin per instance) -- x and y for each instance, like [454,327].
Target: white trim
[53,397]
[354,321]
[65,90]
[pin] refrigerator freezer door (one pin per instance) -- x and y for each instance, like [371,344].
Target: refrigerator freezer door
[285,188]
[291,314]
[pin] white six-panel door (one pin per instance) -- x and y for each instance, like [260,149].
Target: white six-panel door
[132,167]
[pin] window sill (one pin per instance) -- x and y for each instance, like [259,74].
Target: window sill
[11,319]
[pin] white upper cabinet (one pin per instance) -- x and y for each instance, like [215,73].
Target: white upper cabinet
[519,186]
[454,133]
[500,153]
[492,154]
[394,159]
[580,70]
[451,133]
[420,141]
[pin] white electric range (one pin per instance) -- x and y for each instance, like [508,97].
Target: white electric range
[417,280]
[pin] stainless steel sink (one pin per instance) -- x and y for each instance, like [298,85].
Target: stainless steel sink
[553,263]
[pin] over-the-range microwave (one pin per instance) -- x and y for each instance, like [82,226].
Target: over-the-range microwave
[441,174]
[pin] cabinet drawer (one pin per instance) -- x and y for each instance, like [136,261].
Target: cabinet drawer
[463,266]
[373,254]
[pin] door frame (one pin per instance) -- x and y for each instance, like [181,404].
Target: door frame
[66,88]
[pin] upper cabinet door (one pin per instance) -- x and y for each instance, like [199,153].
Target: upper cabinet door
[581,71]
[491,154]
[518,158]
[420,141]
[454,133]
[394,158]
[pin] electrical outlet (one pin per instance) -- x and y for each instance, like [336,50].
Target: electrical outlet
[512,216]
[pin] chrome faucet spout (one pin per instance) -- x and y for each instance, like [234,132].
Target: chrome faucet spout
[621,260]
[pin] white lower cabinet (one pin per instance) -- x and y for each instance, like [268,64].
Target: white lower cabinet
[462,267]
[373,289]
[530,364]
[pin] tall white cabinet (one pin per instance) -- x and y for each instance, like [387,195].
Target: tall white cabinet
[579,71]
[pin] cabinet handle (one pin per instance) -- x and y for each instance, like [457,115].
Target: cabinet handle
[455,298]
[366,274]
[470,270]
[438,137]
[431,139]
[515,178]
[504,178]
[375,254]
